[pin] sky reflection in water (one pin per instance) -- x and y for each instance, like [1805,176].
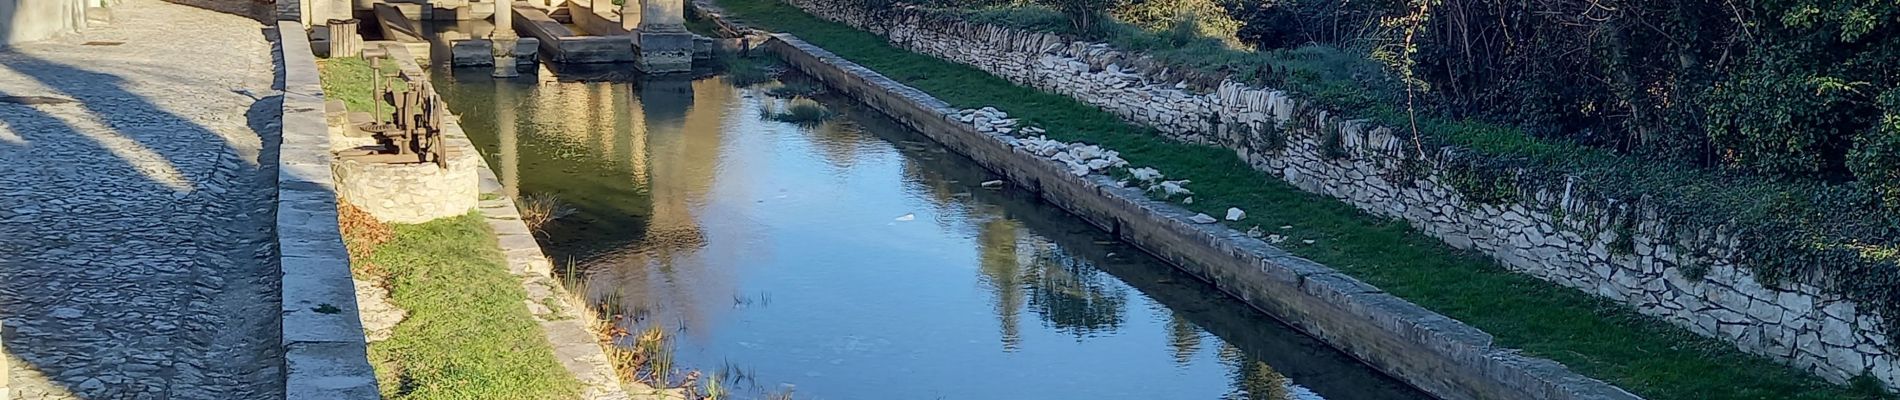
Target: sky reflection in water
[786,252]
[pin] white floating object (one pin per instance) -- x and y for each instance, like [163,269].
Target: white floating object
[1255,232]
[1307,241]
[1189,200]
[1234,214]
[907,217]
[993,184]
[1202,219]
[1276,238]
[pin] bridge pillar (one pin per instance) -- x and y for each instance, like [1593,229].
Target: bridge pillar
[663,44]
[504,40]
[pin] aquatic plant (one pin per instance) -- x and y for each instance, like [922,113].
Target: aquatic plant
[747,71]
[540,208]
[795,90]
[802,111]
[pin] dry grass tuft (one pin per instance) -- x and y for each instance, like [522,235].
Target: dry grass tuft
[539,209]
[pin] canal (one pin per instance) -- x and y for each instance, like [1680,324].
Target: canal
[856,259]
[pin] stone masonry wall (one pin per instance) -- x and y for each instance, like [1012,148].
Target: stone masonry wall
[1562,236]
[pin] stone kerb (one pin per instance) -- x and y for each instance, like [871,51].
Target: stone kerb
[1437,354]
[1559,235]
[325,354]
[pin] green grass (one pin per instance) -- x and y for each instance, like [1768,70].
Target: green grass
[1803,219]
[349,79]
[1593,336]
[467,335]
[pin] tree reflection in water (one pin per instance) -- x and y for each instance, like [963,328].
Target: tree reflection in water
[1253,380]
[1070,295]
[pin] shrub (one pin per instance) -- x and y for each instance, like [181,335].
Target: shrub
[1201,18]
[1783,121]
[1876,158]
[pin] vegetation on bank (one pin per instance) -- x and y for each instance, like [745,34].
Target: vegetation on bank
[349,79]
[1591,335]
[467,335]
[1802,162]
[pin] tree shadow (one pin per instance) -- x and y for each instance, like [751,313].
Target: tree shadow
[132,234]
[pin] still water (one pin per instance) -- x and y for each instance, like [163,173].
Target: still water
[859,260]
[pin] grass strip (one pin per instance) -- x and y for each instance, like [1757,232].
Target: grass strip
[1591,335]
[467,335]
[349,79]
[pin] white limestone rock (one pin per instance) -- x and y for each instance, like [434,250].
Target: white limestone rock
[1202,219]
[1173,188]
[1235,214]
[1145,174]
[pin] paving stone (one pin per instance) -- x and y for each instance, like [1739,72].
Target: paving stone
[135,222]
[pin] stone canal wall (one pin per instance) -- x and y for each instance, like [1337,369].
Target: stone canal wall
[1615,248]
[325,353]
[1437,354]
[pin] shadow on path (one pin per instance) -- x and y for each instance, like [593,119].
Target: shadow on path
[140,258]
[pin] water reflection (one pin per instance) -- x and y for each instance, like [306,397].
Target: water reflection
[785,251]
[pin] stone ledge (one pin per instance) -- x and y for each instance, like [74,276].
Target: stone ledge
[325,355]
[1435,353]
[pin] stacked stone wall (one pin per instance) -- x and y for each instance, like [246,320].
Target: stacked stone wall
[1614,248]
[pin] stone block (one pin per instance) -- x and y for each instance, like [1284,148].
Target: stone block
[328,371]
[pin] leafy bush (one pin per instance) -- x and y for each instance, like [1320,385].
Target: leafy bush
[1201,18]
[1876,157]
[1783,121]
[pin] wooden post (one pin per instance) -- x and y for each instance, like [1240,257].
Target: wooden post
[344,42]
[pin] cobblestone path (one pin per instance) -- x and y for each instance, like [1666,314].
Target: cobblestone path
[136,251]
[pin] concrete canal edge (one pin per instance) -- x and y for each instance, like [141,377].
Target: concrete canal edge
[1440,355]
[325,353]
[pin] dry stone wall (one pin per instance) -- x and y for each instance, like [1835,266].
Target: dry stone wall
[1614,248]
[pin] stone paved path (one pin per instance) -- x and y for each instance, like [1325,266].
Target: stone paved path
[136,258]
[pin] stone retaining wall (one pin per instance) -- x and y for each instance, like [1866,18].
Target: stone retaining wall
[1435,353]
[1563,236]
[409,193]
[325,354]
